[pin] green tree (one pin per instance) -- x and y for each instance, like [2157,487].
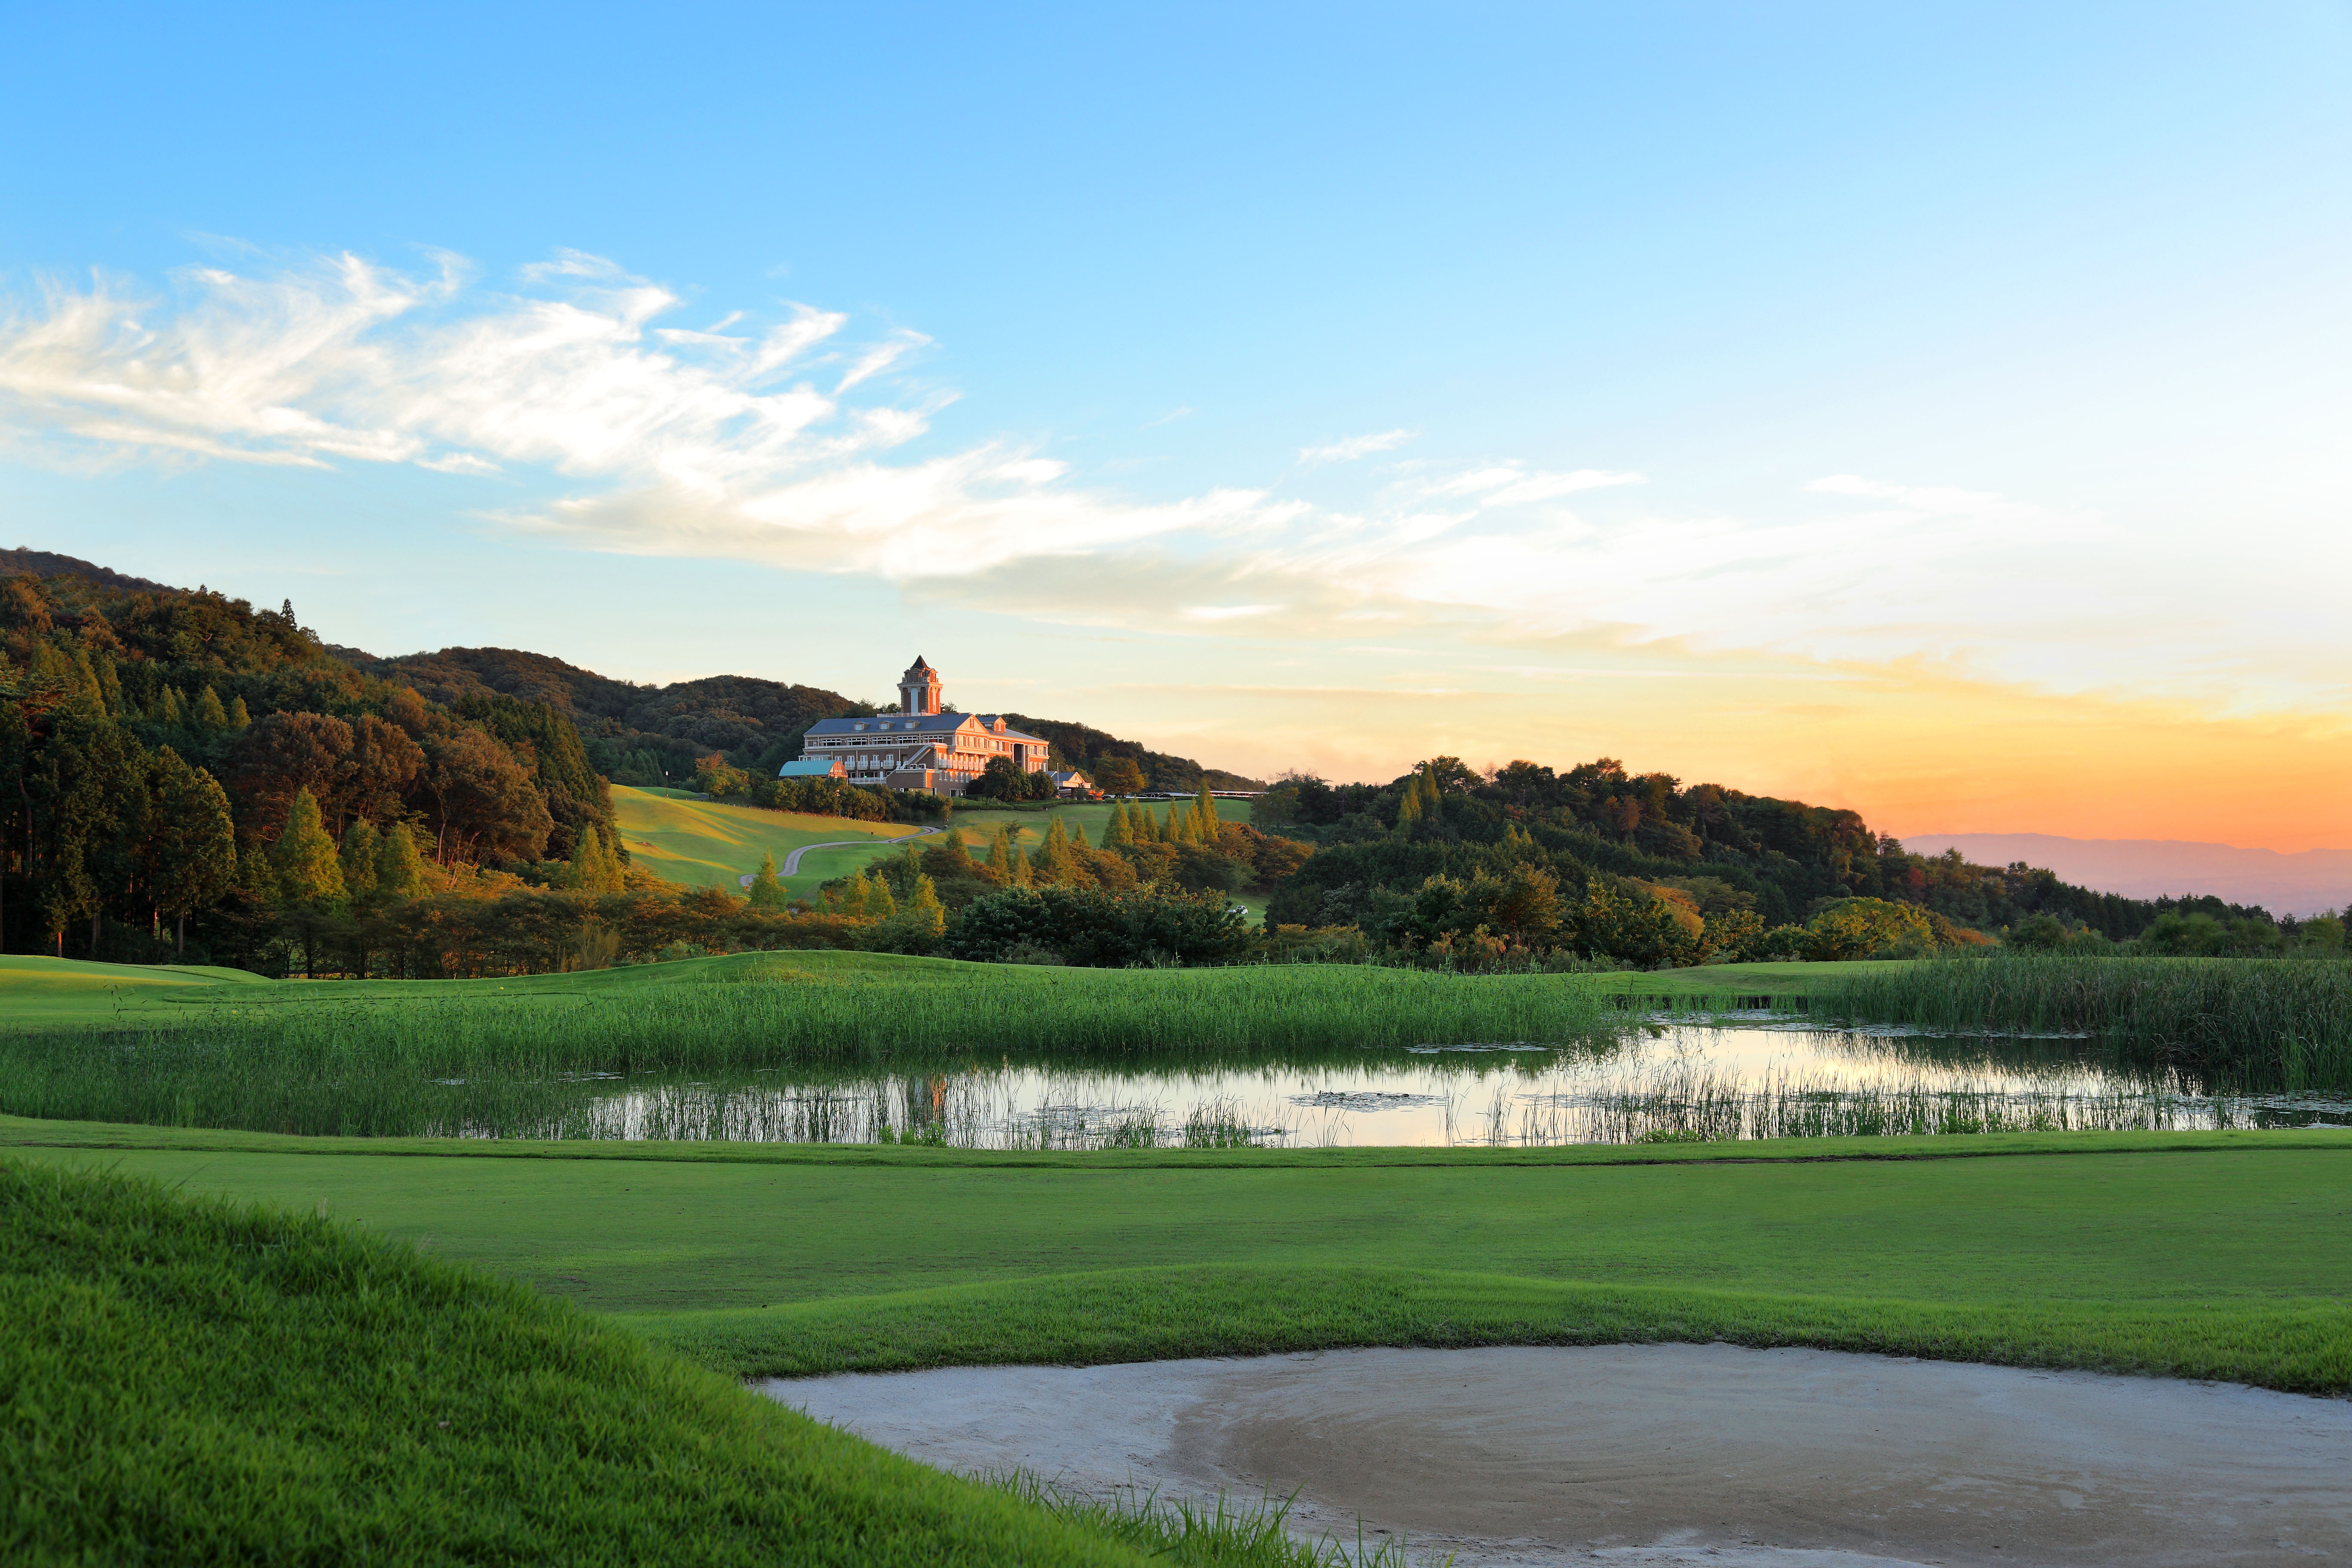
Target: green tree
[1204,814]
[1001,856]
[1053,865]
[1121,833]
[949,857]
[307,868]
[1409,809]
[196,842]
[168,709]
[767,893]
[309,874]
[916,927]
[593,868]
[238,719]
[210,715]
[399,869]
[358,856]
[1117,775]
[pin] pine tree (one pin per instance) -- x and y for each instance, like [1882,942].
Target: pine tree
[1431,799]
[399,869]
[304,858]
[1204,814]
[84,693]
[1176,830]
[209,712]
[1000,855]
[615,879]
[879,904]
[766,893]
[358,858]
[924,920]
[238,719]
[1078,837]
[1121,832]
[1053,864]
[1408,808]
[589,871]
[196,841]
[168,709]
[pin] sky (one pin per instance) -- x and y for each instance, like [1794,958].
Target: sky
[1937,411]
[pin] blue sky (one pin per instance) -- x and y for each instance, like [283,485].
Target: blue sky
[1317,386]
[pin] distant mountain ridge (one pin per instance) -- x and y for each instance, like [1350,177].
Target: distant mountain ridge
[2298,884]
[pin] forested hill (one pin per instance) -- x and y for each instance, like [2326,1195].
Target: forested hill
[1711,850]
[153,740]
[1082,747]
[637,734]
[47,563]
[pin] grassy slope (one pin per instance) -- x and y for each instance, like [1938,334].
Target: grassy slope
[35,991]
[200,1382]
[2208,1256]
[704,843]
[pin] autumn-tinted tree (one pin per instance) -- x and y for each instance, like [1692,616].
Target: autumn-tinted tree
[484,804]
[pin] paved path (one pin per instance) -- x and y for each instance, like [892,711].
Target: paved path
[1661,1454]
[793,860]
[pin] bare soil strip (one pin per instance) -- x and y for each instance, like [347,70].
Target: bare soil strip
[1665,1453]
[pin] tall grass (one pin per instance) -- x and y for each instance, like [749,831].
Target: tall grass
[2244,1024]
[452,1063]
[1226,1533]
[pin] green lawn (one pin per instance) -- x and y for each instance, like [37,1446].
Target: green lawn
[200,1382]
[707,844]
[2223,1256]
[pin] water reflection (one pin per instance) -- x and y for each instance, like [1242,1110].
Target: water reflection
[1757,1078]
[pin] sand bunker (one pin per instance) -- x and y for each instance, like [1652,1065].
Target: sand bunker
[1665,1453]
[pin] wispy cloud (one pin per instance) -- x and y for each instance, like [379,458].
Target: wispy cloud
[1355,446]
[1184,410]
[611,421]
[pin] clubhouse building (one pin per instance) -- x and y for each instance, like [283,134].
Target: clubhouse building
[918,747]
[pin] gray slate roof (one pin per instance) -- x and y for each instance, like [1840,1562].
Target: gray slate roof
[916,724]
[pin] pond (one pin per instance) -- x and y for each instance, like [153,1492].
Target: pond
[1742,1077]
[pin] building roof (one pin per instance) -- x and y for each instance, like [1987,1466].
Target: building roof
[918,668]
[916,724]
[807,768]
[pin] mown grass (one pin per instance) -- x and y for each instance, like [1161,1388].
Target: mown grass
[450,1061]
[711,844]
[210,1382]
[2215,1255]
[2249,1024]
[1150,1314]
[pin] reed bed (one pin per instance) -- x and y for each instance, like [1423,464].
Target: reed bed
[515,1066]
[1705,1108]
[2239,1024]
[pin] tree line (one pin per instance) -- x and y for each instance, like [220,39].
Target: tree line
[157,745]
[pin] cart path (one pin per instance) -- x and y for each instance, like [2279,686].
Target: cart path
[793,860]
[1657,1455]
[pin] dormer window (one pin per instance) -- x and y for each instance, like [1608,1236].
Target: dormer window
[859,728]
